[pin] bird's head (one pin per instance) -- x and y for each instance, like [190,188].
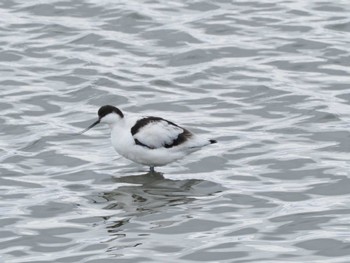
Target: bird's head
[106,114]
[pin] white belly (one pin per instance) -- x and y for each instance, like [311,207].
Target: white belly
[125,145]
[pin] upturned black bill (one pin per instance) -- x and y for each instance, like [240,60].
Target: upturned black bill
[91,126]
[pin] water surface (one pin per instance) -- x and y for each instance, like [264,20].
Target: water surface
[268,79]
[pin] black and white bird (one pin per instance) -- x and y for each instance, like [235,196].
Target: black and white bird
[151,141]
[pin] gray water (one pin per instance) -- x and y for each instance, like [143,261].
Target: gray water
[268,79]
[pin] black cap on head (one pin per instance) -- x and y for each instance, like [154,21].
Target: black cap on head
[107,109]
[103,111]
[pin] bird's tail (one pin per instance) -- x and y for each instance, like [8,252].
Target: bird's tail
[199,143]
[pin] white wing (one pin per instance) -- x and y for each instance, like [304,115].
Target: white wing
[154,132]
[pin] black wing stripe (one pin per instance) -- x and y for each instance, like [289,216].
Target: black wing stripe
[184,136]
[137,142]
[143,122]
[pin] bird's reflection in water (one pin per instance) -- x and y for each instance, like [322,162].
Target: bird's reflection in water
[151,193]
[137,196]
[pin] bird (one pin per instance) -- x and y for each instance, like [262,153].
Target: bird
[148,140]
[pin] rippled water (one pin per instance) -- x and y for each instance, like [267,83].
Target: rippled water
[268,79]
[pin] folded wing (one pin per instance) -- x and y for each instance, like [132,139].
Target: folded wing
[155,132]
